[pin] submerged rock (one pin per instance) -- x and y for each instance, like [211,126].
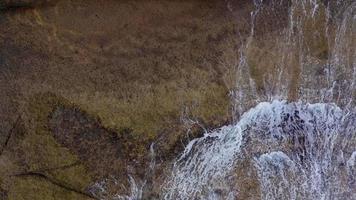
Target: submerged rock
[99,148]
[14,4]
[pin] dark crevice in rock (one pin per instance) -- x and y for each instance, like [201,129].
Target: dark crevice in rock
[58,168]
[55,182]
[9,135]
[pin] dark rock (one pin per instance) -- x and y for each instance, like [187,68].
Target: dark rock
[99,148]
[16,4]
[3,194]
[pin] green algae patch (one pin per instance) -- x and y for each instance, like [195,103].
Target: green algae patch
[147,115]
[29,188]
[43,155]
[75,175]
[42,151]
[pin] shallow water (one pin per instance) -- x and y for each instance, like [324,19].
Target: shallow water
[293,134]
[297,126]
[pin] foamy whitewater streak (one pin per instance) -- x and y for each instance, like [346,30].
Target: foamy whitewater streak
[298,150]
[319,166]
[324,128]
[303,148]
